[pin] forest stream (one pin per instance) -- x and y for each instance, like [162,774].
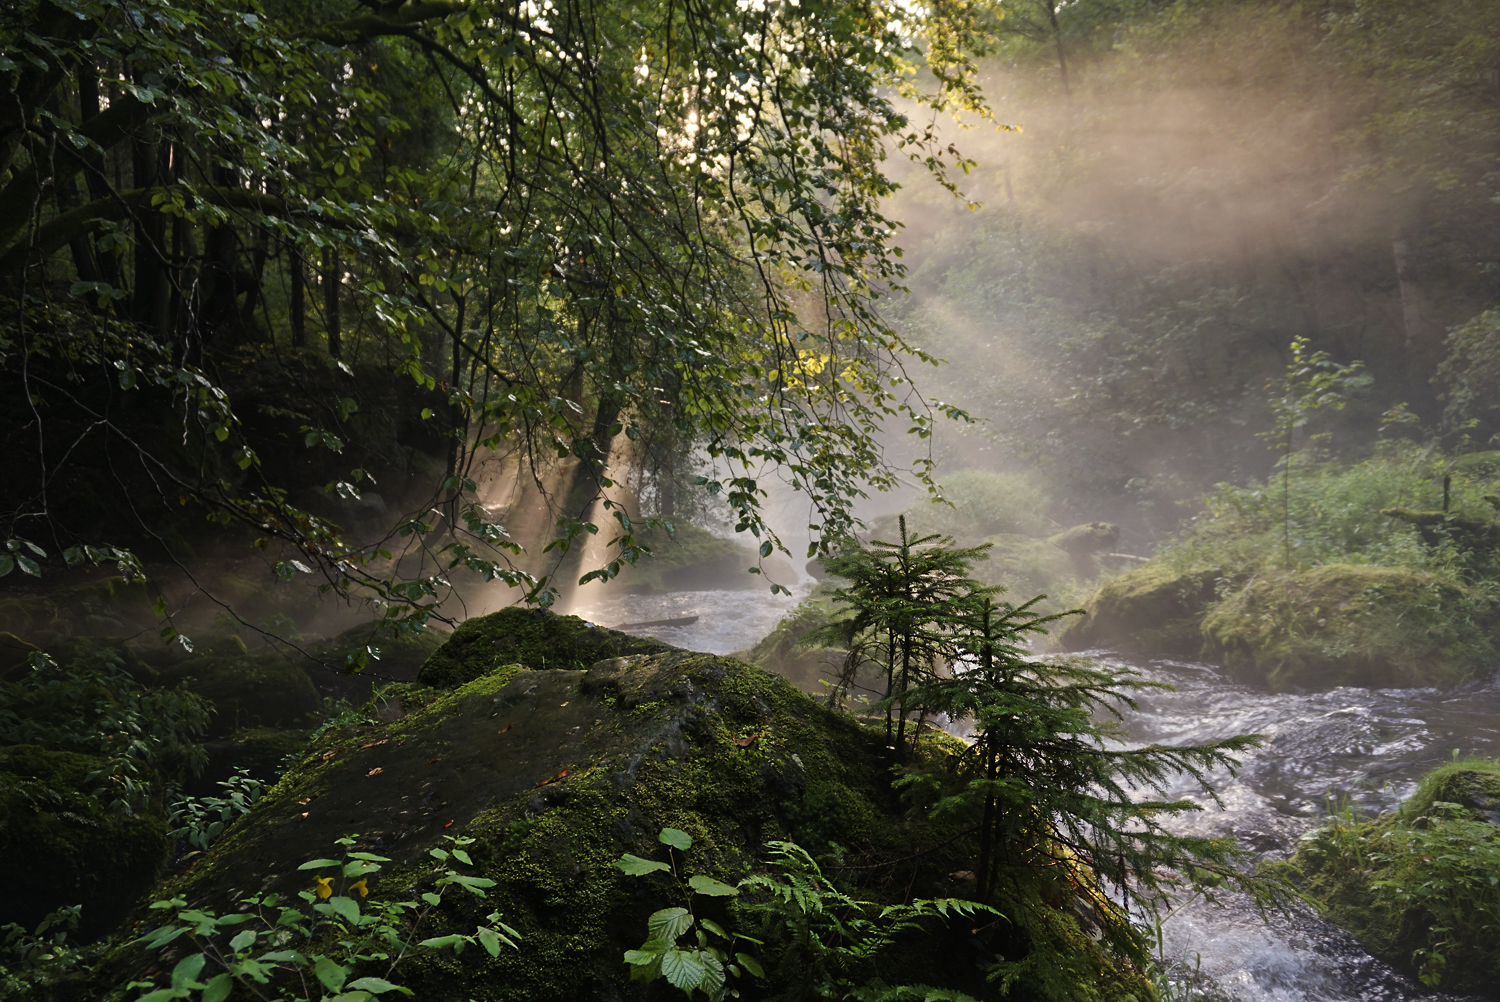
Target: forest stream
[1367,746]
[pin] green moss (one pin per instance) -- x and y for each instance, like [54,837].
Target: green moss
[535,638]
[1343,624]
[1472,783]
[1154,608]
[725,751]
[1415,886]
[64,847]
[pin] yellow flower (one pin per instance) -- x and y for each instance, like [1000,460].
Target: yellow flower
[359,886]
[325,887]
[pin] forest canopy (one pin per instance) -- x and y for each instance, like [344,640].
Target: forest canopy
[260,253]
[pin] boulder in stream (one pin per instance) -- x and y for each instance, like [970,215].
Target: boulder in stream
[1152,610]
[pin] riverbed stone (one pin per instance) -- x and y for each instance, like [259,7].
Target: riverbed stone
[1153,609]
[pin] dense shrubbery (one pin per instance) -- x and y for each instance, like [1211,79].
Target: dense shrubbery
[1377,572]
[1417,886]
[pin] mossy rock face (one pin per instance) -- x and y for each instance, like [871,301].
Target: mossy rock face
[1343,624]
[1026,566]
[1152,609]
[1472,784]
[63,848]
[555,773]
[264,690]
[782,651]
[534,638]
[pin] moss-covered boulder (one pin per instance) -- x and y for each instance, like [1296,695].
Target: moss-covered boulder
[1416,886]
[62,846]
[1026,566]
[533,638]
[1153,609]
[783,651]
[247,691]
[1343,624]
[555,773]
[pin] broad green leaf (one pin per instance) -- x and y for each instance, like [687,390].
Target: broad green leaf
[441,942]
[318,864]
[489,939]
[332,975]
[642,957]
[635,866]
[711,887]
[750,964]
[185,974]
[346,908]
[376,985]
[684,969]
[666,925]
[218,988]
[243,940]
[676,839]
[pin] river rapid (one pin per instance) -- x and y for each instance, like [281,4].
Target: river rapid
[1368,746]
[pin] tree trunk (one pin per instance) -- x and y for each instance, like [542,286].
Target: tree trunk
[298,296]
[148,299]
[332,279]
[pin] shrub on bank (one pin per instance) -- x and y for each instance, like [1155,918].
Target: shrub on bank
[1417,886]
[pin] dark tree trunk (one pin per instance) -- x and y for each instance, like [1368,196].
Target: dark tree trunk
[299,292]
[332,279]
[148,301]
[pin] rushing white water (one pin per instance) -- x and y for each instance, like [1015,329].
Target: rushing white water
[1367,746]
[728,621]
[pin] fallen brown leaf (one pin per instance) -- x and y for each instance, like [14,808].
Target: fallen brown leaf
[375,771]
[746,742]
[433,761]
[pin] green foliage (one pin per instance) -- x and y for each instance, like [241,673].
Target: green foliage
[1418,887]
[708,958]
[92,705]
[813,936]
[903,601]
[195,815]
[309,951]
[33,961]
[1051,791]
[538,281]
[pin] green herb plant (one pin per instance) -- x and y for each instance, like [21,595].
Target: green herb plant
[196,815]
[308,948]
[703,962]
[815,936]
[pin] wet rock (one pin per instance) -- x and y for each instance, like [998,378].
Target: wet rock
[1152,609]
[534,638]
